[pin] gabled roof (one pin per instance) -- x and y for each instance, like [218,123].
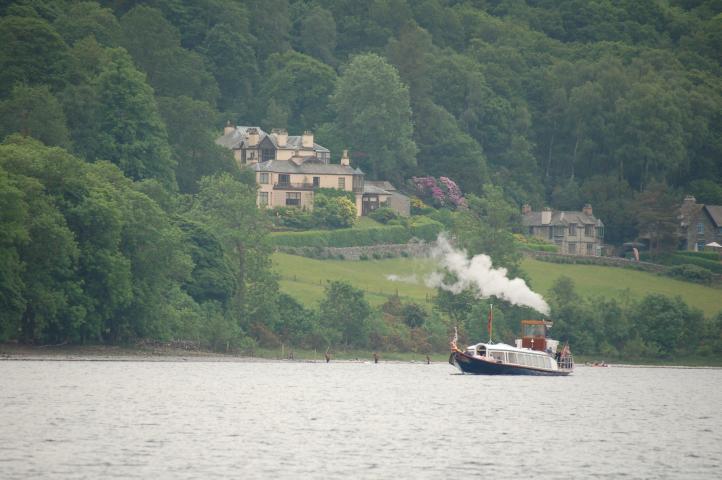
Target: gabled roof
[372,189]
[560,219]
[715,213]
[384,184]
[307,167]
[238,138]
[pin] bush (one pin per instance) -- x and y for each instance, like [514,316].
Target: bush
[691,273]
[333,212]
[685,258]
[421,227]
[383,215]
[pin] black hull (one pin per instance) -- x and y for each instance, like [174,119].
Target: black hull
[471,365]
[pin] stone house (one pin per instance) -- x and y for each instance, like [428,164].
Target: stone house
[575,233]
[699,224]
[290,168]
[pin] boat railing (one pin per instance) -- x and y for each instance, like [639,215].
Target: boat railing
[566,362]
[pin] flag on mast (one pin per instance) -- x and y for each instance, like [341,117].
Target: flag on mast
[490,319]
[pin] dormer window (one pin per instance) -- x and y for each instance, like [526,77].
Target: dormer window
[268,154]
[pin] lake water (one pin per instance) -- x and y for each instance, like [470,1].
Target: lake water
[283,420]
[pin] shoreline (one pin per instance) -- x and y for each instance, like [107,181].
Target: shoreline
[105,353]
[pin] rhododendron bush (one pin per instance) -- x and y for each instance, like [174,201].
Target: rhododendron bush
[443,192]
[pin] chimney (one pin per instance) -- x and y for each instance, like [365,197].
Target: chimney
[546,216]
[253,136]
[307,139]
[230,128]
[525,209]
[344,159]
[587,210]
[282,137]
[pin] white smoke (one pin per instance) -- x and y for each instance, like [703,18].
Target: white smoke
[402,278]
[478,273]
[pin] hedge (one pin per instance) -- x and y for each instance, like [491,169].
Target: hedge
[692,273]
[421,228]
[684,258]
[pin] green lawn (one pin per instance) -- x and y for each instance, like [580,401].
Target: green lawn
[304,278]
[612,282]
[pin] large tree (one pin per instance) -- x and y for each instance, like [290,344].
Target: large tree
[374,117]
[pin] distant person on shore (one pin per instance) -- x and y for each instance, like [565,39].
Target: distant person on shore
[428,360]
[327,356]
[376,358]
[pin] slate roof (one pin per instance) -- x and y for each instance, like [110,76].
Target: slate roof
[237,137]
[560,219]
[383,184]
[715,212]
[372,189]
[308,167]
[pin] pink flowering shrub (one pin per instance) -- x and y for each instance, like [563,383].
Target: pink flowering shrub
[443,192]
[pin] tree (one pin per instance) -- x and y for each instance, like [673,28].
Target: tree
[657,209]
[31,52]
[84,19]
[189,123]
[130,132]
[345,308]
[232,62]
[318,34]
[35,112]
[301,86]
[172,70]
[486,227]
[228,207]
[374,117]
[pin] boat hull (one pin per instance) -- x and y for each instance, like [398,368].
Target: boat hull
[468,364]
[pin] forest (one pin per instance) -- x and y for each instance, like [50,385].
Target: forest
[121,219]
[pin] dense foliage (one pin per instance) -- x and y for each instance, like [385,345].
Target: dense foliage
[128,222]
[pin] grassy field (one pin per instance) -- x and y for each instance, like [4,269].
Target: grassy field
[304,278]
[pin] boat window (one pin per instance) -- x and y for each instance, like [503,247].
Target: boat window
[513,357]
[481,351]
[534,331]
[499,356]
[525,360]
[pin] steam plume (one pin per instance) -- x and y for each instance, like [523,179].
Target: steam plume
[478,273]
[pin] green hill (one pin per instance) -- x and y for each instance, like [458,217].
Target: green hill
[304,278]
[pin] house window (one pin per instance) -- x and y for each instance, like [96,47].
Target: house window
[262,198]
[700,229]
[284,179]
[719,231]
[558,231]
[550,233]
[588,230]
[316,182]
[293,199]
[268,154]
[590,248]
[264,178]
[600,232]
[572,229]
[243,156]
[342,183]
[251,155]
[700,246]
[572,247]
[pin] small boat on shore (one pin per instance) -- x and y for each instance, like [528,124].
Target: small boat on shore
[533,354]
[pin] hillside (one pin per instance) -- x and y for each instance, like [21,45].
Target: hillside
[304,278]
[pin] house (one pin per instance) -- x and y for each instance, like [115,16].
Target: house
[290,168]
[575,233]
[394,199]
[699,224]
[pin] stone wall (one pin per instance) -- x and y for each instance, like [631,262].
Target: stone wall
[607,261]
[411,249]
